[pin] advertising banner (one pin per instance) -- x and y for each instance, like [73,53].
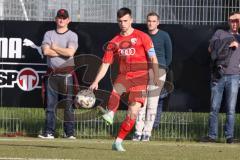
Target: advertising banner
[22,62]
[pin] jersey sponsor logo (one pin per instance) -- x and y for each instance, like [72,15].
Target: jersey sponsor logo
[112,46]
[11,48]
[26,79]
[127,52]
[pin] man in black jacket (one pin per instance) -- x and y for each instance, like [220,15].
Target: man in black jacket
[228,61]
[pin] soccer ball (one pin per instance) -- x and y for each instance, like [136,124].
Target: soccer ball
[85,99]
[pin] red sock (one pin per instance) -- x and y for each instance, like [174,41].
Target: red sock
[113,101]
[126,127]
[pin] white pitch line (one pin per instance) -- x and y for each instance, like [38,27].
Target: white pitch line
[33,140]
[15,63]
[30,158]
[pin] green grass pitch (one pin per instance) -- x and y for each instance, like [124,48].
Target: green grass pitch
[96,149]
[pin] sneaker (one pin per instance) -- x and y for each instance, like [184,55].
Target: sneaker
[108,118]
[208,139]
[69,137]
[46,136]
[145,138]
[117,146]
[229,140]
[136,137]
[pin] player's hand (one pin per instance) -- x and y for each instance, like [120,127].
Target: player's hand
[94,86]
[156,81]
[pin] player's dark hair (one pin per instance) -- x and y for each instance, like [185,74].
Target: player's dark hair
[123,11]
[153,14]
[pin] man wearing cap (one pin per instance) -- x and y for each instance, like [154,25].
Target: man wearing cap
[225,54]
[59,46]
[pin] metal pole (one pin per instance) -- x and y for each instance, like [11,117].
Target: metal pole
[24,10]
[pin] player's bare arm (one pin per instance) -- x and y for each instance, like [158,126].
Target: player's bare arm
[155,67]
[101,73]
[154,61]
[47,51]
[68,52]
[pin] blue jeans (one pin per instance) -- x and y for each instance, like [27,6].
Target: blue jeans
[159,112]
[59,93]
[230,83]
[163,95]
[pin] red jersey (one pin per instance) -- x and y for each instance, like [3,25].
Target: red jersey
[131,52]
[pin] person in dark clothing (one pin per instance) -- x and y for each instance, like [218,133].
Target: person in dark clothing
[227,81]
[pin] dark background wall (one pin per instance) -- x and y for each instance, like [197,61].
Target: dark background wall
[190,70]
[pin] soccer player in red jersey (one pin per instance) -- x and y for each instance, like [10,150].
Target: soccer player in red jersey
[133,50]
